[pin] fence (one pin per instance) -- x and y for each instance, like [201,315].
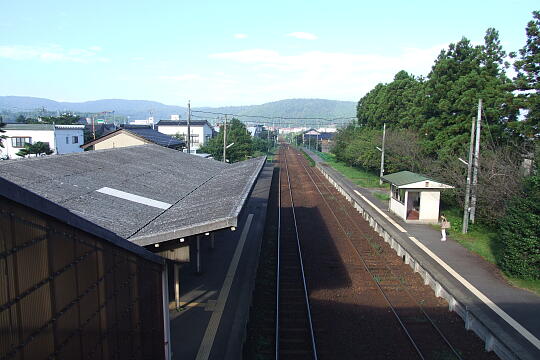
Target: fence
[67,294]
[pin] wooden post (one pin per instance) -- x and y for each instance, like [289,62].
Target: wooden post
[177,284]
[198,254]
[189,127]
[224,142]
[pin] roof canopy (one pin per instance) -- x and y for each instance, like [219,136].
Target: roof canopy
[410,180]
[145,193]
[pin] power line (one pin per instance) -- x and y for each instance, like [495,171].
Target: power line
[275,117]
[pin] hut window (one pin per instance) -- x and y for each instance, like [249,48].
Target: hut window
[398,194]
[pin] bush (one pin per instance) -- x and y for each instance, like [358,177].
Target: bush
[520,234]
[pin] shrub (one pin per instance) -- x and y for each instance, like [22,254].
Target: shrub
[520,234]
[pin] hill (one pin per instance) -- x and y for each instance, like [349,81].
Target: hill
[141,109]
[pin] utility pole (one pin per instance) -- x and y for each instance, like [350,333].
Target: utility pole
[382,153]
[189,127]
[225,139]
[476,158]
[94,126]
[268,138]
[465,227]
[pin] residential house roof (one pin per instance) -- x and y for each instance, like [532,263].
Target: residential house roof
[146,194]
[145,133]
[11,126]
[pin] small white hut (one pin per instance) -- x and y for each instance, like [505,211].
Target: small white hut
[415,198]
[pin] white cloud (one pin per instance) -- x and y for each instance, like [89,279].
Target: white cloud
[336,75]
[302,35]
[51,53]
[240,36]
[183,77]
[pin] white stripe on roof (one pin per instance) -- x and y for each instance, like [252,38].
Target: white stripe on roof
[135,198]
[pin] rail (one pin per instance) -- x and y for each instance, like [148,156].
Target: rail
[374,276]
[279,293]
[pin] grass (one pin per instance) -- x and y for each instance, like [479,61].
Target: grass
[381,196]
[308,158]
[482,240]
[359,176]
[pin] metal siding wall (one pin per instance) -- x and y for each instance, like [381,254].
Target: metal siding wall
[67,294]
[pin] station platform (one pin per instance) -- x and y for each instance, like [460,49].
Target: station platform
[215,303]
[511,314]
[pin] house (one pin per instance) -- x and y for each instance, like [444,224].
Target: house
[256,130]
[200,130]
[131,135]
[62,139]
[324,138]
[99,129]
[415,198]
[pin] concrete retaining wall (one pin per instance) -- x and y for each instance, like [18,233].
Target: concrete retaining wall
[459,300]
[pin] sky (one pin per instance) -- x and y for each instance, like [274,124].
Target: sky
[227,53]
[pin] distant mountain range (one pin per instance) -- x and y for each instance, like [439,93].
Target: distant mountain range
[142,109]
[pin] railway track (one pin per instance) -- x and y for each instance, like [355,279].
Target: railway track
[408,312]
[294,335]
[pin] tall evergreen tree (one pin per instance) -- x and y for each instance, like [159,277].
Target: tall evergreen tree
[461,76]
[527,80]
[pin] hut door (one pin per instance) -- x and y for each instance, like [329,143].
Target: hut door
[413,205]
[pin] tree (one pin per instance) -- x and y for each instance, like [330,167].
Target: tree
[519,233]
[63,119]
[237,134]
[24,120]
[2,137]
[38,149]
[461,75]
[399,103]
[527,81]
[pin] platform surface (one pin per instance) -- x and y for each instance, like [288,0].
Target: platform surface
[217,301]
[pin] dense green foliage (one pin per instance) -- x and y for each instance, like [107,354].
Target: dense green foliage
[237,134]
[428,122]
[39,148]
[520,233]
[63,119]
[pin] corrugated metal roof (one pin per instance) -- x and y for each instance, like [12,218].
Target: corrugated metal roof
[10,126]
[404,178]
[205,194]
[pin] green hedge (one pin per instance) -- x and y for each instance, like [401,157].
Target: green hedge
[520,234]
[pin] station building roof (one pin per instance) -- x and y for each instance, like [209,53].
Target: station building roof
[146,194]
[408,179]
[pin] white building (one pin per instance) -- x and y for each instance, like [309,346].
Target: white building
[200,130]
[62,139]
[414,197]
[149,121]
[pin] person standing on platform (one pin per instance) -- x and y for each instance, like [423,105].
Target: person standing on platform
[445,224]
